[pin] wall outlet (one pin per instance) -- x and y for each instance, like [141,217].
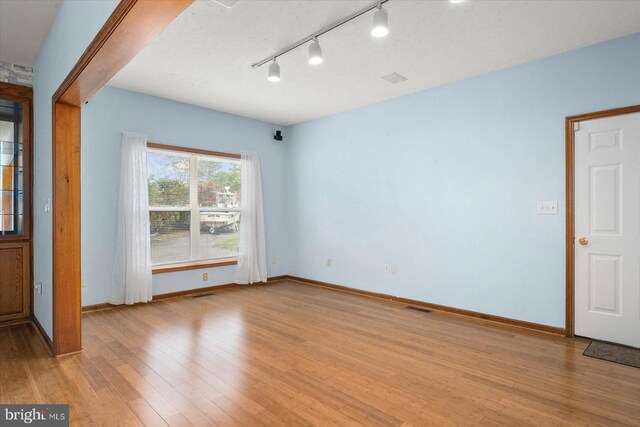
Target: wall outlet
[386,268]
[84,282]
[274,260]
[328,262]
[205,277]
[547,207]
[47,206]
[393,269]
[38,288]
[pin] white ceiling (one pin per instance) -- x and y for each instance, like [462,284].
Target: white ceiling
[24,25]
[204,57]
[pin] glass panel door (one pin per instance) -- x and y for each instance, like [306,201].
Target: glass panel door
[11,169]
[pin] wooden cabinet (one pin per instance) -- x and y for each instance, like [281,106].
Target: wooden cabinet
[15,202]
[15,295]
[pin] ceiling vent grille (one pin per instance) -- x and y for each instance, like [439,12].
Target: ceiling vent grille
[394,78]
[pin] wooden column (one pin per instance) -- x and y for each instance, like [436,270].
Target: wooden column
[129,29]
[67,277]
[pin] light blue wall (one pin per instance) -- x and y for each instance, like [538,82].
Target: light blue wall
[444,184]
[74,28]
[112,111]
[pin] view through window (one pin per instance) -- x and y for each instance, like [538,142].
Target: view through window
[194,206]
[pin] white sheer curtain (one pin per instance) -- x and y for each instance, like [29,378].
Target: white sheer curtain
[131,278]
[252,259]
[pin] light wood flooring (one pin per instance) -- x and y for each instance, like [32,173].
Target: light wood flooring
[291,354]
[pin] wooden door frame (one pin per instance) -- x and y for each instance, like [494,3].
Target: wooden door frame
[129,29]
[570,214]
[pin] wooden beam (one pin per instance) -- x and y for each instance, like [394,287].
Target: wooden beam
[131,26]
[129,29]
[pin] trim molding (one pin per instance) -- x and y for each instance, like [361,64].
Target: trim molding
[17,92]
[457,311]
[15,321]
[310,282]
[43,335]
[197,265]
[570,214]
[188,292]
[158,146]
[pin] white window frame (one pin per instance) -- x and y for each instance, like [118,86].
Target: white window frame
[193,208]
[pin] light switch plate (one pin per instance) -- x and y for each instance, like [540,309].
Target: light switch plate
[547,207]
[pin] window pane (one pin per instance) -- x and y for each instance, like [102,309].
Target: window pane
[170,237]
[168,180]
[218,183]
[219,234]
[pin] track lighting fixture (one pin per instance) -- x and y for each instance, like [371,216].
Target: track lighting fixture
[380,29]
[315,53]
[274,72]
[380,26]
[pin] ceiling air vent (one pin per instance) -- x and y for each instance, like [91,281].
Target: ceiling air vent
[395,78]
[226,3]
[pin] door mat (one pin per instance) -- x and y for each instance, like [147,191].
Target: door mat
[613,353]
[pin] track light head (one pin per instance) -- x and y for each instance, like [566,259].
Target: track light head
[380,26]
[274,72]
[315,53]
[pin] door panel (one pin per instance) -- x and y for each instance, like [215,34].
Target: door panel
[14,273]
[604,283]
[605,199]
[607,229]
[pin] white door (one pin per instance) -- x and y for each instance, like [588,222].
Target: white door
[607,229]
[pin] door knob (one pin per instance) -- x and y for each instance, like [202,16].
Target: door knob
[583,241]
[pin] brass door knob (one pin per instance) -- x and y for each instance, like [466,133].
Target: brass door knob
[583,241]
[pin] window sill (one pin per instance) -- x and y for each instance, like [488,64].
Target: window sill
[194,265]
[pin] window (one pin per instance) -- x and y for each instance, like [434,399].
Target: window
[194,206]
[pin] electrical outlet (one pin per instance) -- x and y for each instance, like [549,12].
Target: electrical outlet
[38,288]
[205,277]
[547,207]
[393,269]
[274,260]
[328,262]
[84,282]
[47,206]
[386,268]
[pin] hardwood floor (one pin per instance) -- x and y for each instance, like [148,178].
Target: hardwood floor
[291,354]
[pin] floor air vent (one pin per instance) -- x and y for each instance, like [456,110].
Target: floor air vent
[424,310]
[203,295]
